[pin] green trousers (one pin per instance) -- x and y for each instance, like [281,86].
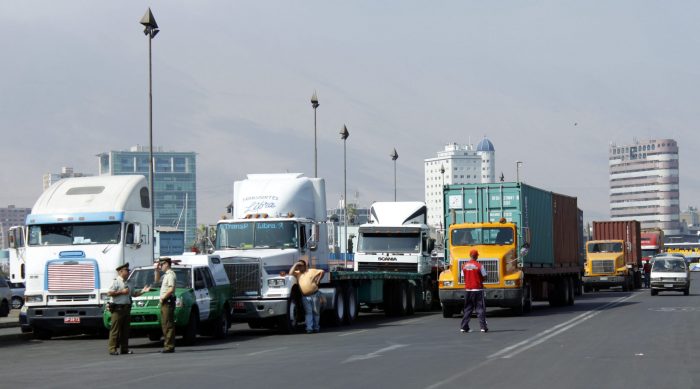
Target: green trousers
[167,322]
[119,331]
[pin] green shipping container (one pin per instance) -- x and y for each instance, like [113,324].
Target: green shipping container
[531,209]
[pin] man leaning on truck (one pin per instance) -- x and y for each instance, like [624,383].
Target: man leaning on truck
[474,275]
[309,279]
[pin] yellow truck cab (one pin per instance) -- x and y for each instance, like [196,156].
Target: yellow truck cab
[605,266]
[498,252]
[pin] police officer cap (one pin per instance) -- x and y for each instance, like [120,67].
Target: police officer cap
[165,259]
[124,266]
[474,253]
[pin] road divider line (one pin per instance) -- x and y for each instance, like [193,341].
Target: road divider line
[266,351]
[545,335]
[374,354]
[353,333]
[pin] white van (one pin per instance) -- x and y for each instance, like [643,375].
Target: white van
[669,273]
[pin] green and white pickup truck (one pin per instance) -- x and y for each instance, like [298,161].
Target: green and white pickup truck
[203,294]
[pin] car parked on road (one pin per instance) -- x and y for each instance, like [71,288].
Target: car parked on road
[5,297]
[670,273]
[17,289]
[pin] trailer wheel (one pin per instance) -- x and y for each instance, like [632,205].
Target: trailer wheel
[557,292]
[572,292]
[447,311]
[338,307]
[352,306]
[289,322]
[401,299]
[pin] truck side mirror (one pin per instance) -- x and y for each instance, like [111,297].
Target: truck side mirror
[11,240]
[133,234]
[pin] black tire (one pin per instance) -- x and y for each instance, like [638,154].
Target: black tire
[626,285]
[389,298]
[401,299]
[17,302]
[654,292]
[221,325]
[429,299]
[338,312]
[587,289]
[4,308]
[411,296]
[42,334]
[686,292]
[525,302]
[572,292]
[447,311]
[289,323]
[190,335]
[352,305]
[154,336]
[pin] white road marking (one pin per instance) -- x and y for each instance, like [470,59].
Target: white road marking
[353,333]
[374,354]
[267,351]
[526,344]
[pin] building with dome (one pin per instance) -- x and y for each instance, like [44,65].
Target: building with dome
[456,164]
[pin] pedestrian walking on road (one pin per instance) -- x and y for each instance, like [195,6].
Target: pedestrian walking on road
[120,308]
[647,274]
[308,280]
[167,303]
[474,275]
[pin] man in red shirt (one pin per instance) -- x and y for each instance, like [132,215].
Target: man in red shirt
[474,275]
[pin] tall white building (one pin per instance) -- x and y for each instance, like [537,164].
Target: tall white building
[456,165]
[644,184]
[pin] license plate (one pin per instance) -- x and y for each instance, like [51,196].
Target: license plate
[668,285]
[603,278]
[71,320]
[238,306]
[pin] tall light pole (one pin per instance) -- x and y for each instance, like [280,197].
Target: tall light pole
[151,30]
[394,157]
[344,134]
[517,171]
[314,104]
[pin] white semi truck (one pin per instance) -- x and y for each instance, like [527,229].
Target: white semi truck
[397,239]
[79,231]
[279,219]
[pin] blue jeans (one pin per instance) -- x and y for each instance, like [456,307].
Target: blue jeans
[312,310]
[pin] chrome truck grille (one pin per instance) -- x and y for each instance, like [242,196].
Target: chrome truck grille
[244,275]
[70,276]
[388,266]
[491,266]
[603,266]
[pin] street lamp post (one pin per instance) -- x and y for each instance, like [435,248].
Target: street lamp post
[314,104]
[517,171]
[151,29]
[344,134]
[394,157]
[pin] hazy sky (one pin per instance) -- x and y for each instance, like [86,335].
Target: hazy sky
[232,82]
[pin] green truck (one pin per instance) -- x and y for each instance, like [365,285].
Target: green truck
[203,294]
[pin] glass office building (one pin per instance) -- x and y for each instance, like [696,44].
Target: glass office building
[174,182]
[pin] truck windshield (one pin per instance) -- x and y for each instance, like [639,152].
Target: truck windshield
[610,247]
[389,242]
[142,277]
[74,234]
[257,234]
[482,236]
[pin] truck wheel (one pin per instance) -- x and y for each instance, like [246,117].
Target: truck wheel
[572,293]
[191,330]
[626,284]
[289,322]
[401,299]
[221,325]
[525,301]
[686,292]
[352,306]
[447,311]
[389,298]
[411,296]
[4,308]
[17,302]
[338,307]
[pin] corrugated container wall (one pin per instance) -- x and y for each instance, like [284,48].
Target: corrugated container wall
[629,231]
[581,239]
[566,230]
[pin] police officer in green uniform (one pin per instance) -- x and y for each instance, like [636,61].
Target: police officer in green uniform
[167,303]
[121,293]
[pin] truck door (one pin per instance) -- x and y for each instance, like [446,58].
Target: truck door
[201,294]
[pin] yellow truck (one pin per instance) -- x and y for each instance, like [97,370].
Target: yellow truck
[614,257]
[529,241]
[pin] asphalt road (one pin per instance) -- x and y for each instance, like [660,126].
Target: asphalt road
[609,339]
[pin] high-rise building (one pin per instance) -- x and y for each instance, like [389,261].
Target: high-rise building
[456,165]
[9,217]
[51,178]
[174,183]
[644,184]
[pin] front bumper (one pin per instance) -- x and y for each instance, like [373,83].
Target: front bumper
[603,281]
[258,309]
[63,318]
[494,297]
[669,285]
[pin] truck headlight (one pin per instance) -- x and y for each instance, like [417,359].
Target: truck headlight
[510,283]
[34,298]
[276,283]
[103,296]
[447,283]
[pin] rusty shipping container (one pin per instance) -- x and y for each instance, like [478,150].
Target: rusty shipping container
[565,228]
[628,231]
